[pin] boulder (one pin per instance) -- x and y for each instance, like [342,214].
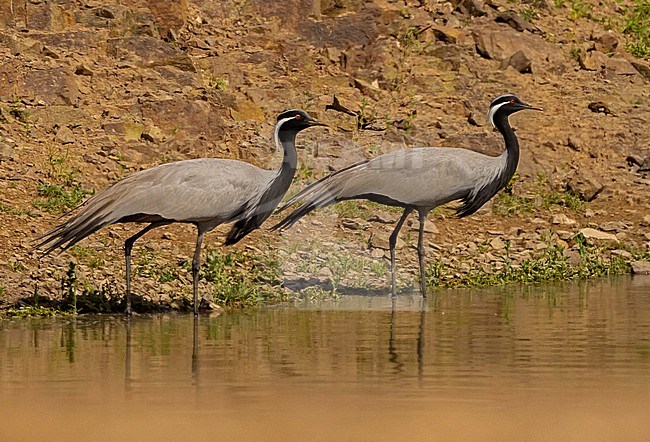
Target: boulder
[519,61]
[641,267]
[514,21]
[497,43]
[597,236]
[380,240]
[606,43]
[592,60]
[642,68]
[584,184]
[475,8]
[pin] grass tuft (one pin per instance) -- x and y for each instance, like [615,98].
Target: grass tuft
[637,27]
[243,278]
[58,199]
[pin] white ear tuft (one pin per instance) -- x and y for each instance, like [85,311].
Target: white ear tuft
[493,110]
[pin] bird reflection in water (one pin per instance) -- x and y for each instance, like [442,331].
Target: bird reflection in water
[394,356]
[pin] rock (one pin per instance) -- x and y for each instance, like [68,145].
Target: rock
[592,60]
[152,134]
[593,235]
[377,253]
[429,227]
[475,8]
[622,253]
[324,273]
[379,240]
[519,61]
[645,166]
[620,66]
[446,34]
[351,224]
[149,52]
[83,70]
[642,68]
[599,107]
[572,257]
[514,21]
[561,218]
[65,136]
[584,184]
[382,217]
[613,226]
[645,221]
[53,86]
[368,89]
[641,267]
[606,43]
[247,110]
[636,159]
[7,153]
[494,42]
[497,244]
[564,235]
[575,142]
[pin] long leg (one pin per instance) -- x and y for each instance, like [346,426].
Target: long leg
[195,270]
[423,279]
[392,240]
[128,246]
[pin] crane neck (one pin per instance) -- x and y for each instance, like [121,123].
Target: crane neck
[505,167]
[511,152]
[286,140]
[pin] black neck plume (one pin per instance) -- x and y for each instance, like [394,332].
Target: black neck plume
[474,201]
[287,139]
[269,198]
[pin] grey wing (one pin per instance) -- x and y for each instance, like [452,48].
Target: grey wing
[205,190]
[423,177]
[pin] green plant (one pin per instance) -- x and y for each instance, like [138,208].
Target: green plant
[530,13]
[351,209]
[31,311]
[242,278]
[637,26]
[575,53]
[217,83]
[19,111]
[88,255]
[57,199]
[12,211]
[366,115]
[508,203]
[551,264]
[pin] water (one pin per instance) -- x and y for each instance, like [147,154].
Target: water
[565,362]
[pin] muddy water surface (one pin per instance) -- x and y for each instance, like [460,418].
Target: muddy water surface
[565,362]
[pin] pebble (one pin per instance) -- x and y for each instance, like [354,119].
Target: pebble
[497,244]
[613,226]
[562,219]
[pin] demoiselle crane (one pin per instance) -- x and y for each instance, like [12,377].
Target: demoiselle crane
[420,179]
[206,192]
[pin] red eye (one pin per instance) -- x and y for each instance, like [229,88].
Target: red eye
[512,101]
[297,117]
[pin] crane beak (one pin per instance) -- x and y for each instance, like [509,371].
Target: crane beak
[316,123]
[529,107]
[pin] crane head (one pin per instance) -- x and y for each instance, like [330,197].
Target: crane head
[296,120]
[506,105]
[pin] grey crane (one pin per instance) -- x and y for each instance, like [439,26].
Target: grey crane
[420,179]
[205,192]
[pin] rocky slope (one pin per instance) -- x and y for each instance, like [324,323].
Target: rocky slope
[91,91]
